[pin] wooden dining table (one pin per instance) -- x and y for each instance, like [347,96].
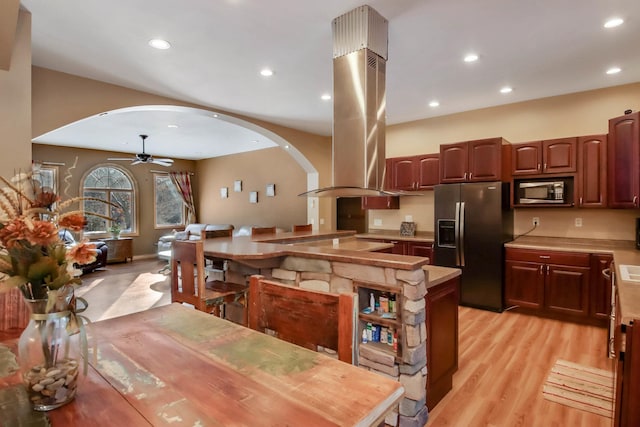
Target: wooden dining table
[176,366]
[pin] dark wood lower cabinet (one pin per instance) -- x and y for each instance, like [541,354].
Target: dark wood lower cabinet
[627,410]
[561,284]
[442,339]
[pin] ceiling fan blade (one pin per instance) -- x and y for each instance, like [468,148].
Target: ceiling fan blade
[136,162]
[121,158]
[162,162]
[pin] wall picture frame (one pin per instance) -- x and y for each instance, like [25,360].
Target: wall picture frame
[271,190]
[224,192]
[253,197]
[237,185]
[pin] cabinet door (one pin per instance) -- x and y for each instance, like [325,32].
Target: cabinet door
[526,158]
[559,155]
[567,289]
[442,346]
[420,249]
[600,294]
[382,202]
[428,171]
[592,172]
[524,284]
[622,156]
[399,247]
[485,160]
[454,162]
[402,175]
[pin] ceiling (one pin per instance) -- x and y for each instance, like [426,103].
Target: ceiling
[540,48]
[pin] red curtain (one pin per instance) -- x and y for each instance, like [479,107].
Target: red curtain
[182,181]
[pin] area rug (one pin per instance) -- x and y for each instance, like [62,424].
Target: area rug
[580,387]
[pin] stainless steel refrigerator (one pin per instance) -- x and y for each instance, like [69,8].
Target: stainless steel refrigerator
[472,223]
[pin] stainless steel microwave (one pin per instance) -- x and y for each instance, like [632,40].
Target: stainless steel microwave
[542,192]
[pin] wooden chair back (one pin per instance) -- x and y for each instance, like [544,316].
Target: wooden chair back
[14,314]
[212,234]
[187,273]
[303,227]
[262,230]
[304,317]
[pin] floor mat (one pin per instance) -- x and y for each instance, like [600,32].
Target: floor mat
[580,387]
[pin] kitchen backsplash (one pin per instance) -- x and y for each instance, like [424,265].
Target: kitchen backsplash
[614,224]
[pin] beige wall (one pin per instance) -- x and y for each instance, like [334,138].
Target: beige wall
[255,170]
[15,99]
[147,236]
[555,117]
[61,98]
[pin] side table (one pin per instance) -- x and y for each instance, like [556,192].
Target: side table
[119,249]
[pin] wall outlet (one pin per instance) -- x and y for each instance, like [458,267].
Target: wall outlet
[377,222]
[536,221]
[578,222]
[408,218]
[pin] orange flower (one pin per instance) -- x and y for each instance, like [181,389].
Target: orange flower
[45,199]
[82,253]
[13,232]
[41,233]
[74,222]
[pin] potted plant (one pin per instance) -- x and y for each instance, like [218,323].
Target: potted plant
[115,230]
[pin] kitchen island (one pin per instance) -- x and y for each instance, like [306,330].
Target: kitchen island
[310,260]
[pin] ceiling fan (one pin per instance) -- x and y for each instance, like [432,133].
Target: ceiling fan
[144,157]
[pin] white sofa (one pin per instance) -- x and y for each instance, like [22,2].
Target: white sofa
[191,232]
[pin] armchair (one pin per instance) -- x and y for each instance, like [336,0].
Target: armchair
[191,232]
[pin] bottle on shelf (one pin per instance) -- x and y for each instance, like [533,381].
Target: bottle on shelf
[372,302]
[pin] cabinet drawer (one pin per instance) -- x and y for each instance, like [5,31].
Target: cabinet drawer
[548,257]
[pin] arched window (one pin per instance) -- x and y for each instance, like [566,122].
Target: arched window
[108,182]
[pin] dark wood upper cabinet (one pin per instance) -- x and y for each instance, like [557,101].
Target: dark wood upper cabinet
[474,161]
[420,172]
[591,180]
[527,158]
[623,159]
[559,155]
[541,157]
[454,162]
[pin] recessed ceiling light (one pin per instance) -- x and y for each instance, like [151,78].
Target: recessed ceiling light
[266,72]
[325,97]
[434,104]
[613,70]
[471,57]
[506,89]
[172,126]
[159,44]
[613,22]
[215,116]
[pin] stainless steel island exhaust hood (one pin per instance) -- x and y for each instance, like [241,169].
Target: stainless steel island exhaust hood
[360,40]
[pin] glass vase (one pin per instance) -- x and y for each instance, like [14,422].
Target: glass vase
[49,354]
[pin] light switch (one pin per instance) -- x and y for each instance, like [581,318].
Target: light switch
[377,222]
[408,218]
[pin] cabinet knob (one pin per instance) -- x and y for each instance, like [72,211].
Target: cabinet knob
[635,199]
[541,269]
[470,175]
[465,178]
[538,166]
[580,201]
[545,166]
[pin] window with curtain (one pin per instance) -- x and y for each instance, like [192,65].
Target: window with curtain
[115,185]
[169,207]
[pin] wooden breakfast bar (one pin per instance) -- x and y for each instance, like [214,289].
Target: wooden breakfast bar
[176,366]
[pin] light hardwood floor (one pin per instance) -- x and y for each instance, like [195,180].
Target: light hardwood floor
[504,359]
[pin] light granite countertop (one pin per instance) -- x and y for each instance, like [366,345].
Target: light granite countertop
[435,275]
[623,251]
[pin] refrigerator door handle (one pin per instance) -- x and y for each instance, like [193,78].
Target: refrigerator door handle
[456,231]
[461,241]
